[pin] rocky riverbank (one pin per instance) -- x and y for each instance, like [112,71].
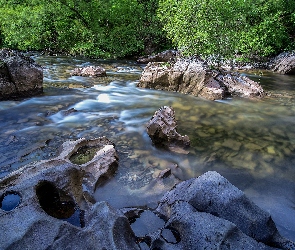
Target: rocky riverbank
[51,205]
[55,209]
[284,63]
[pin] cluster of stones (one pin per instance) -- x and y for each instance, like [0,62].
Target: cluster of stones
[196,78]
[56,208]
[90,71]
[56,190]
[20,76]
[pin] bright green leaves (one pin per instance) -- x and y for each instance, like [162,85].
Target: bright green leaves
[227,28]
[103,28]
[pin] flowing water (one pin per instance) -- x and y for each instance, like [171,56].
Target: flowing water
[251,143]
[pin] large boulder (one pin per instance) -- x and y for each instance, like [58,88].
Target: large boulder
[196,230]
[209,212]
[56,208]
[196,78]
[284,63]
[20,76]
[162,129]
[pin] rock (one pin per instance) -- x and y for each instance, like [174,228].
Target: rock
[162,130]
[232,144]
[199,230]
[165,173]
[241,86]
[90,71]
[194,77]
[208,211]
[165,56]
[57,209]
[20,76]
[284,63]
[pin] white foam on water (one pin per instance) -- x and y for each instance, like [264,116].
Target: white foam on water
[105,98]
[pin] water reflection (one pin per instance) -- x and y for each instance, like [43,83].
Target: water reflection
[251,143]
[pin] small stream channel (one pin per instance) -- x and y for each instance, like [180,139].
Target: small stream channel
[251,143]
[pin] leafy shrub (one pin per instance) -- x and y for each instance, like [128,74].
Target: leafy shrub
[250,28]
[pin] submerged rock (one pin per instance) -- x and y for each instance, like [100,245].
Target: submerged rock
[20,76]
[90,71]
[284,63]
[162,131]
[196,78]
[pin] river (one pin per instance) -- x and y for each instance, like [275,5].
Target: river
[250,142]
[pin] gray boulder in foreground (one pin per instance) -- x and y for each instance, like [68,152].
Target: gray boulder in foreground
[57,208]
[208,212]
[20,76]
[194,77]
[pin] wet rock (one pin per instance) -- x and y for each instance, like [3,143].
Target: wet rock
[196,78]
[20,76]
[209,212]
[69,111]
[165,173]
[56,192]
[284,63]
[165,56]
[232,144]
[90,71]
[162,130]
[199,230]
[241,86]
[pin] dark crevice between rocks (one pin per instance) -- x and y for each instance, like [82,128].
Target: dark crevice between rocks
[10,200]
[58,204]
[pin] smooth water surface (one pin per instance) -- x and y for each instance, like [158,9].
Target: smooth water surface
[249,142]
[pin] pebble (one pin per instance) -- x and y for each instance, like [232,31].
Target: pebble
[232,144]
[252,146]
[271,150]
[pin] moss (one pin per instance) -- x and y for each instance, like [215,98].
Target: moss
[83,155]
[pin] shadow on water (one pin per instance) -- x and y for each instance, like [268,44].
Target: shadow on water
[251,143]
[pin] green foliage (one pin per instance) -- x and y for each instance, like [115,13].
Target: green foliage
[102,28]
[224,27]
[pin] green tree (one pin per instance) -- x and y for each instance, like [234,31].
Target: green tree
[229,27]
[103,28]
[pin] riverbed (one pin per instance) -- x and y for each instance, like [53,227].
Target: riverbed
[250,142]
